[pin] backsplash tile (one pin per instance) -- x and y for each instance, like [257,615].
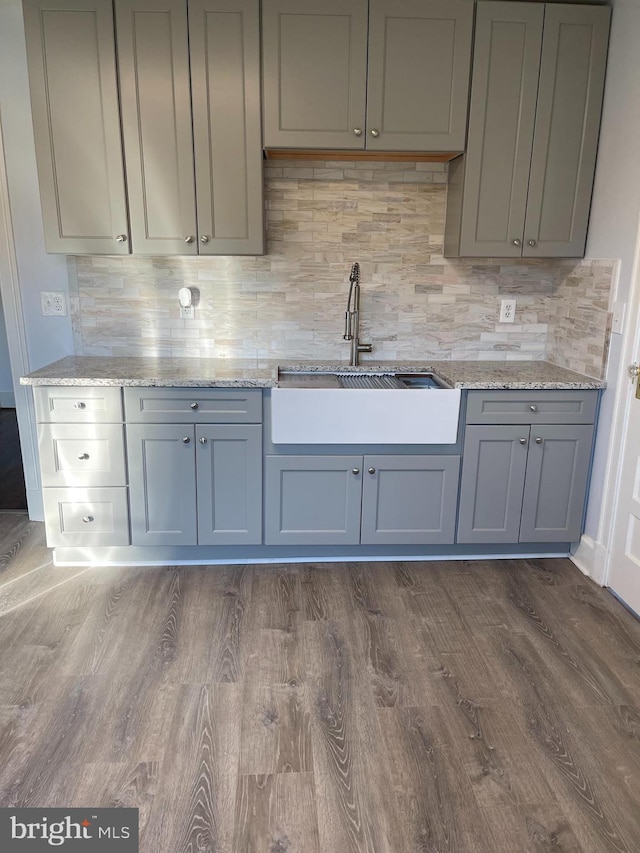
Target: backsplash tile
[289,304]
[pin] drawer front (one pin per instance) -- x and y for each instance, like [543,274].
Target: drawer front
[531,407]
[82,454]
[86,517]
[193,405]
[77,404]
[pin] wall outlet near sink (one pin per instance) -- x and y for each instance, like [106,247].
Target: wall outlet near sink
[53,303]
[507,311]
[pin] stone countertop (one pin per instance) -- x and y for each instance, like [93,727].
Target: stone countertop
[263,373]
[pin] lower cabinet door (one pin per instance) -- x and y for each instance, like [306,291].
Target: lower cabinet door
[556,483]
[162,484]
[493,470]
[229,479]
[86,517]
[409,499]
[313,500]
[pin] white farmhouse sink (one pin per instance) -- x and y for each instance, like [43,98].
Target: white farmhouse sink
[324,412]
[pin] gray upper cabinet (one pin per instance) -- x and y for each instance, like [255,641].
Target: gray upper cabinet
[77,125]
[418,74]
[190,89]
[385,75]
[314,60]
[523,188]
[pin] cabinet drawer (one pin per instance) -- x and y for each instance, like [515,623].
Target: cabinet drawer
[82,454]
[193,405]
[531,407]
[86,517]
[70,405]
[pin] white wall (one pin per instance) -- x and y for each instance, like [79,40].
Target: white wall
[48,338]
[615,217]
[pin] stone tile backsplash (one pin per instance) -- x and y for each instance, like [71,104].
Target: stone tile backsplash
[290,303]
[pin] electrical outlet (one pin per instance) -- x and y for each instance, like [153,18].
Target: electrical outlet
[187,312]
[53,303]
[507,311]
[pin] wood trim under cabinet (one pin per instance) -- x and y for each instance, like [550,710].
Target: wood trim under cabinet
[388,156]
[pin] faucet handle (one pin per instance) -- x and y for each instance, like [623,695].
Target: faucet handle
[347,326]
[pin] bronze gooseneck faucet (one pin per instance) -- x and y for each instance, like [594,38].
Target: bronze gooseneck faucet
[352,317]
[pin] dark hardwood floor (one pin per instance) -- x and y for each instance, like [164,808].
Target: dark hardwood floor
[12,489]
[325,708]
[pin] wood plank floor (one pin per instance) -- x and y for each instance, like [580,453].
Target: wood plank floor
[325,708]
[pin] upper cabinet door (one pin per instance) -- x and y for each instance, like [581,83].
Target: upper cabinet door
[418,80]
[503,104]
[572,72]
[72,72]
[153,55]
[314,73]
[224,42]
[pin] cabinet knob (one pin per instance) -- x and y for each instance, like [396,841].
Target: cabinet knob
[357,131]
[79,405]
[189,239]
[87,519]
[194,406]
[538,440]
[522,440]
[533,408]
[204,238]
[355,471]
[186,439]
[372,470]
[121,238]
[83,456]
[375,132]
[203,440]
[532,243]
[516,242]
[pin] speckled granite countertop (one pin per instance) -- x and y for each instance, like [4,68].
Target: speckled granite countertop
[203,372]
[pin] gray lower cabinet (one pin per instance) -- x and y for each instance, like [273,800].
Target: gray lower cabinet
[347,500]
[389,75]
[76,123]
[313,500]
[193,485]
[524,483]
[190,89]
[523,187]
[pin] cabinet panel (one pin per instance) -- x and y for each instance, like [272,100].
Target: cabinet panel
[531,407]
[224,43]
[77,125]
[556,482]
[409,499]
[313,500]
[77,405]
[503,102]
[82,454]
[314,80]
[572,71]
[86,517]
[229,480]
[418,75]
[156,117]
[493,471]
[193,405]
[162,484]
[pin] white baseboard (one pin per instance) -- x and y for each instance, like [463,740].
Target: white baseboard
[591,558]
[7,400]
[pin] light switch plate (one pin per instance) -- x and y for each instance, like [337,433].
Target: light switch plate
[617,317]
